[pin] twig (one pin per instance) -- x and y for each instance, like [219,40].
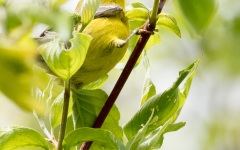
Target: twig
[126,71]
[64,114]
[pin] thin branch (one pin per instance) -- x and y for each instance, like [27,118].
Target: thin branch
[64,114]
[125,74]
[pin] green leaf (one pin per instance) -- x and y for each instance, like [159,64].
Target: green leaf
[168,22]
[140,5]
[55,115]
[88,10]
[149,89]
[174,126]
[197,13]
[86,107]
[23,19]
[3,2]
[153,40]
[165,104]
[135,142]
[185,89]
[16,61]
[66,62]
[155,140]
[96,84]
[105,138]
[21,137]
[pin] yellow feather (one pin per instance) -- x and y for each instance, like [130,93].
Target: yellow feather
[103,53]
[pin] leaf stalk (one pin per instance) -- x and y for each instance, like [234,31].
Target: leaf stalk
[64,114]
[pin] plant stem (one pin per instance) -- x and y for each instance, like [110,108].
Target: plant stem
[153,18]
[126,71]
[64,114]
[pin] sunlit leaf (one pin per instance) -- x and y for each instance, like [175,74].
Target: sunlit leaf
[86,107]
[153,40]
[137,14]
[168,22]
[66,62]
[149,89]
[21,137]
[105,138]
[166,105]
[89,7]
[22,19]
[17,75]
[2,2]
[134,143]
[139,5]
[96,84]
[198,13]
[185,89]
[155,140]
[55,115]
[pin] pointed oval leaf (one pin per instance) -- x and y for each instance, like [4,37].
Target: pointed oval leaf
[96,84]
[65,63]
[136,141]
[149,88]
[155,140]
[137,14]
[198,13]
[21,137]
[153,40]
[106,138]
[165,104]
[86,106]
[88,10]
[168,22]
[140,5]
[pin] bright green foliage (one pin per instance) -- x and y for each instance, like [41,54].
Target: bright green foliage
[138,17]
[96,84]
[55,115]
[23,19]
[149,88]
[139,5]
[89,7]
[2,2]
[147,127]
[105,138]
[136,141]
[165,105]
[14,138]
[169,22]
[155,140]
[18,52]
[86,107]
[16,60]
[66,62]
[198,13]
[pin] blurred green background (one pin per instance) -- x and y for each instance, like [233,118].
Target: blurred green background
[212,109]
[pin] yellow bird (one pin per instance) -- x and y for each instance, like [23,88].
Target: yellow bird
[108,45]
[105,51]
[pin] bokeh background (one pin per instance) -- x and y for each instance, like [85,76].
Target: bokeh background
[212,110]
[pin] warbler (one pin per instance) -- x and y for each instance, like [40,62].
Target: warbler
[108,29]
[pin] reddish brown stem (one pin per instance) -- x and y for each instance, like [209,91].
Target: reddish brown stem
[124,76]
